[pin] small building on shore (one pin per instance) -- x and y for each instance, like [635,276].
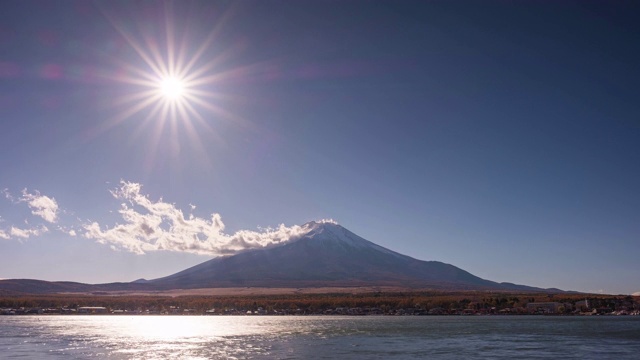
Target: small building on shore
[92,310]
[544,307]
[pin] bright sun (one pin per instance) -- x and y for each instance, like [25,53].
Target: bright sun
[174,83]
[171,88]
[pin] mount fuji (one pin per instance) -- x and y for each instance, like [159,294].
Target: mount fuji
[327,255]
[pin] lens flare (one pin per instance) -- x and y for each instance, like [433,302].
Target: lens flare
[174,84]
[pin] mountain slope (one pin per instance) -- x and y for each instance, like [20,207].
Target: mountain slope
[30,286]
[327,255]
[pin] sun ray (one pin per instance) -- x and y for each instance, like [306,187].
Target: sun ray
[169,33]
[133,110]
[196,56]
[155,135]
[131,41]
[154,53]
[139,77]
[155,111]
[182,53]
[220,76]
[221,58]
[143,95]
[215,109]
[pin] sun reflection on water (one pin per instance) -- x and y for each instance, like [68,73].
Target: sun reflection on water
[162,337]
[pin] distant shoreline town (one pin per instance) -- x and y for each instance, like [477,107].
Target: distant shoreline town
[336,304]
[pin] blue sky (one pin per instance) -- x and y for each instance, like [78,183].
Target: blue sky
[503,138]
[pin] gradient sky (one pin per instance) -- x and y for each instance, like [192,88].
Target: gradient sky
[500,137]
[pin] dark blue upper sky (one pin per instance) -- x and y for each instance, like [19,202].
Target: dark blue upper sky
[501,137]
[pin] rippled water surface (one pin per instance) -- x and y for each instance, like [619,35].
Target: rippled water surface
[201,337]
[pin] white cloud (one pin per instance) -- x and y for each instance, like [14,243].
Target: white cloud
[4,235]
[26,233]
[7,195]
[40,205]
[157,225]
[68,231]
[637,293]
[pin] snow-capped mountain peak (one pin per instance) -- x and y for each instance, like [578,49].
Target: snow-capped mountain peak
[331,231]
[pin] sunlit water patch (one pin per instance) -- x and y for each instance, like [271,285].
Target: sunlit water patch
[231,337]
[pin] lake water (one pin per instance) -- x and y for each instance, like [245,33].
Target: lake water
[321,337]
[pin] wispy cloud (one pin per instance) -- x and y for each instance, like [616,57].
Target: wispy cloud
[40,205]
[68,231]
[27,233]
[8,195]
[158,225]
